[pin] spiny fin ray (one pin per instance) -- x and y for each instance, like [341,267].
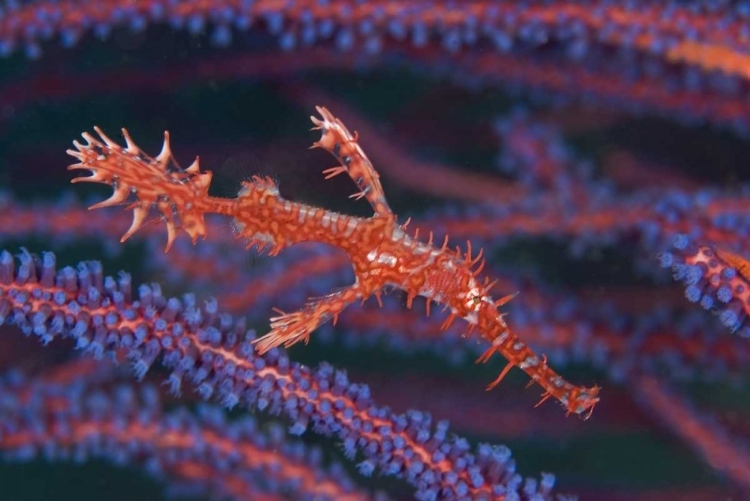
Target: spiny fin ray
[342,144]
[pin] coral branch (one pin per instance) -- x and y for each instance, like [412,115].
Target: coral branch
[213,353]
[714,278]
[49,416]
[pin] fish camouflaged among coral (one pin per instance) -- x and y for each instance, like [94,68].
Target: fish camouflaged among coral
[382,254]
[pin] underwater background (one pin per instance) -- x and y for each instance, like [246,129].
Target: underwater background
[581,144]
